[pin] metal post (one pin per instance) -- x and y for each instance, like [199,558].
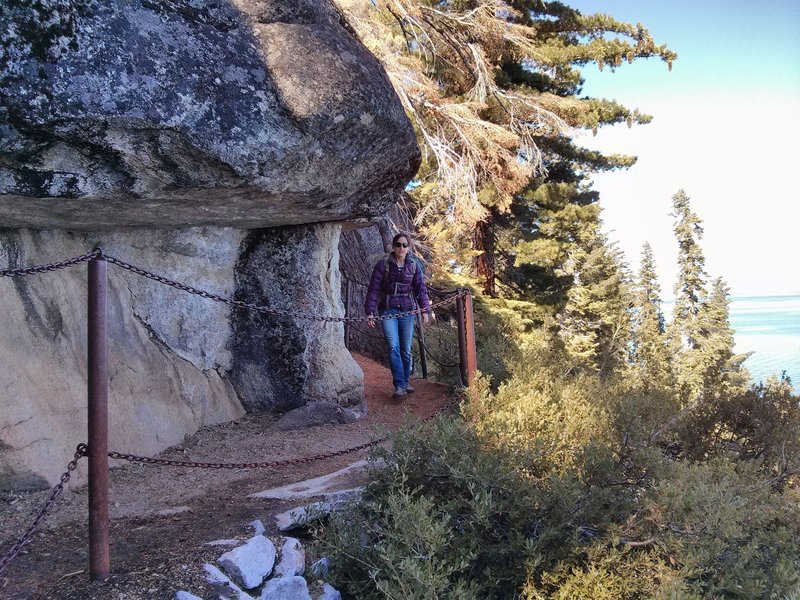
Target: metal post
[423,360]
[347,313]
[99,561]
[469,339]
[462,339]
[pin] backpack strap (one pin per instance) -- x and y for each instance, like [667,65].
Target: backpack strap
[385,271]
[386,260]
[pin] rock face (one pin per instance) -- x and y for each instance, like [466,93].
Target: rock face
[167,353]
[216,143]
[360,249]
[177,361]
[282,363]
[244,113]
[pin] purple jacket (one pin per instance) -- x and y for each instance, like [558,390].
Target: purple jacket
[400,289]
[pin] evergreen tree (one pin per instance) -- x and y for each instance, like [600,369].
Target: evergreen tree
[494,90]
[690,295]
[552,223]
[595,323]
[650,351]
[701,336]
[722,371]
[556,214]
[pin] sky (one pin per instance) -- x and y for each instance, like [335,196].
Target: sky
[726,129]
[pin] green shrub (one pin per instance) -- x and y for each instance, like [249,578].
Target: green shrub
[448,514]
[441,518]
[553,483]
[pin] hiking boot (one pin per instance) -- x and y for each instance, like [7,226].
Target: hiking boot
[399,393]
[410,390]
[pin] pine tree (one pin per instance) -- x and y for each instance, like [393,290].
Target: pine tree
[553,225]
[690,294]
[650,350]
[722,371]
[595,323]
[494,89]
[701,336]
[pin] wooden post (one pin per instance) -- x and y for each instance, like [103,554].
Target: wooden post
[423,360]
[462,339]
[97,333]
[469,340]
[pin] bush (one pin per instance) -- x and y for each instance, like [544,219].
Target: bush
[553,483]
[440,518]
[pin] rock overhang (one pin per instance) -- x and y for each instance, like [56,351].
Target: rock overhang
[234,113]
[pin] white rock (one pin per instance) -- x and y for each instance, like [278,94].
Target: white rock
[319,569]
[228,542]
[302,515]
[344,498]
[311,487]
[181,595]
[286,588]
[249,564]
[258,527]
[330,593]
[222,586]
[293,559]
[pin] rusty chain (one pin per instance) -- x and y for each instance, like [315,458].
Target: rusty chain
[266,464]
[81,451]
[251,465]
[98,253]
[431,289]
[437,361]
[265,309]
[51,266]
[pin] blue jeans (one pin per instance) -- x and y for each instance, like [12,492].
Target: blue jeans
[398,334]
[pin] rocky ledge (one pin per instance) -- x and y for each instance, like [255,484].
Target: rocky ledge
[240,113]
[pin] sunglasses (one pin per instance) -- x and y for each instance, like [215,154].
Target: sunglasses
[400,245]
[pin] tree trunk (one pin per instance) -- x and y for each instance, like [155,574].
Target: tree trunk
[483,239]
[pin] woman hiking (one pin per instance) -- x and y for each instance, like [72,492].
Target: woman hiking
[398,285]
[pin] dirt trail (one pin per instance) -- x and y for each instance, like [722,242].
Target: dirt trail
[153,555]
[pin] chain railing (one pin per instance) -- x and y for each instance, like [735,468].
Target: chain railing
[267,309]
[83,450]
[49,268]
[168,462]
[99,567]
[15,549]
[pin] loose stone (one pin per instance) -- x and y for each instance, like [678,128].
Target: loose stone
[249,564]
[319,569]
[258,527]
[286,588]
[222,586]
[171,512]
[301,516]
[293,559]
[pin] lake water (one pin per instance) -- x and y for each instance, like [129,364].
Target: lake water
[769,326]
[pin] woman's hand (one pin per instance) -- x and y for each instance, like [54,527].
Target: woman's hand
[371,321]
[427,318]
